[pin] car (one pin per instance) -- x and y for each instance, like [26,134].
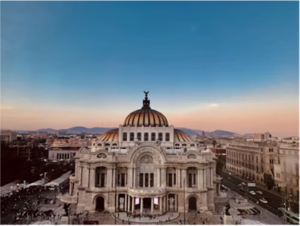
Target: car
[259,192]
[263,200]
[268,199]
[252,192]
[243,183]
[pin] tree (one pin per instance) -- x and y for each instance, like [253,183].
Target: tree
[214,143]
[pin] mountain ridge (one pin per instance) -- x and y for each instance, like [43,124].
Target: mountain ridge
[100,130]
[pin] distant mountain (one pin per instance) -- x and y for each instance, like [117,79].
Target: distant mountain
[190,132]
[48,130]
[81,129]
[101,130]
[223,133]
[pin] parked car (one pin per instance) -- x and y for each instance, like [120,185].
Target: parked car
[259,192]
[243,183]
[263,200]
[252,192]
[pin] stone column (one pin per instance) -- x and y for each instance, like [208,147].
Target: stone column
[85,177]
[125,204]
[176,201]
[109,177]
[160,205]
[141,205]
[174,175]
[158,177]
[149,180]
[79,175]
[204,179]
[134,177]
[70,188]
[113,177]
[183,174]
[92,178]
[177,178]
[200,180]
[151,205]
[129,173]
[128,204]
[133,202]
[163,177]
[207,177]
[211,177]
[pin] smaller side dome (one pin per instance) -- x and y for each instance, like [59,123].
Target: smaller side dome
[180,136]
[110,136]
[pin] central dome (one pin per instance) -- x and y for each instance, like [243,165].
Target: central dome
[146,116]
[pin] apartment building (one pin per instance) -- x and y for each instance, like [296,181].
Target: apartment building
[286,169]
[251,160]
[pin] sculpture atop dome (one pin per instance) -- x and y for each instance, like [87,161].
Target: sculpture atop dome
[146,101]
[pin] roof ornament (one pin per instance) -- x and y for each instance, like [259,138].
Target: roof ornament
[146,101]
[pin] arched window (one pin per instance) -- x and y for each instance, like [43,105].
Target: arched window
[192,145]
[139,136]
[99,144]
[146,138]
[184,145]
[131,136]
[107,144]
[114,145]
[167,136]
[152,136]
[124,136]
[177,145]
[160,136]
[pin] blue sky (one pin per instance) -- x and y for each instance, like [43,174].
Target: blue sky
[101,56]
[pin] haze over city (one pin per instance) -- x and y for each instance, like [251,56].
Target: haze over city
[66,64]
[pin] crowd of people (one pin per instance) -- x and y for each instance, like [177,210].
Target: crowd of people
[21,208]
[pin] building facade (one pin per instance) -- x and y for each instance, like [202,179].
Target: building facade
[8,135]
[251,160]
[144,164]
[286,169]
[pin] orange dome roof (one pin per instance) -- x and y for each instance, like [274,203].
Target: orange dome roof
[180,136]
[111,135]
[146,116]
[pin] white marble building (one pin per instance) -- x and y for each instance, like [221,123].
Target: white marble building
[147,165]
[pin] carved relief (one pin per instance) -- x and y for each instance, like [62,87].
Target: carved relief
[101,155]
[146,159]
[191,156]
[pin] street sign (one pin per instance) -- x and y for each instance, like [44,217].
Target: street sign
[251,184]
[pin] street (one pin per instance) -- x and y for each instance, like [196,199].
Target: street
[274,203]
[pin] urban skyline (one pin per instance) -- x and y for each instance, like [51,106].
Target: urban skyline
[205,69]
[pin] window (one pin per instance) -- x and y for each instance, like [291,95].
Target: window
[192,145]
[139,136]
[184,145]
[167,136]
[146,138]
[278,175]
[160,136]
[152,136]
[124,136]
[146,179]
[131,136]
[151,180]
[141,179]
[270,149]
[279,161]
[170,179]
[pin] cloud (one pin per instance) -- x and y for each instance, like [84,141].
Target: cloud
[5,107]
[212,106]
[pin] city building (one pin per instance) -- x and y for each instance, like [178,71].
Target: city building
[286,169]
[8,135]
[252,160]
[64,147]
[144,164]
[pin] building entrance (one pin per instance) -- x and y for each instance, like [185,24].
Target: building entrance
[192,203]
[100,204]
[147,203]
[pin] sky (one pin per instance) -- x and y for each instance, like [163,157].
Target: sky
[208,65]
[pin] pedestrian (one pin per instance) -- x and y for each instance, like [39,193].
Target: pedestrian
[203,222]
